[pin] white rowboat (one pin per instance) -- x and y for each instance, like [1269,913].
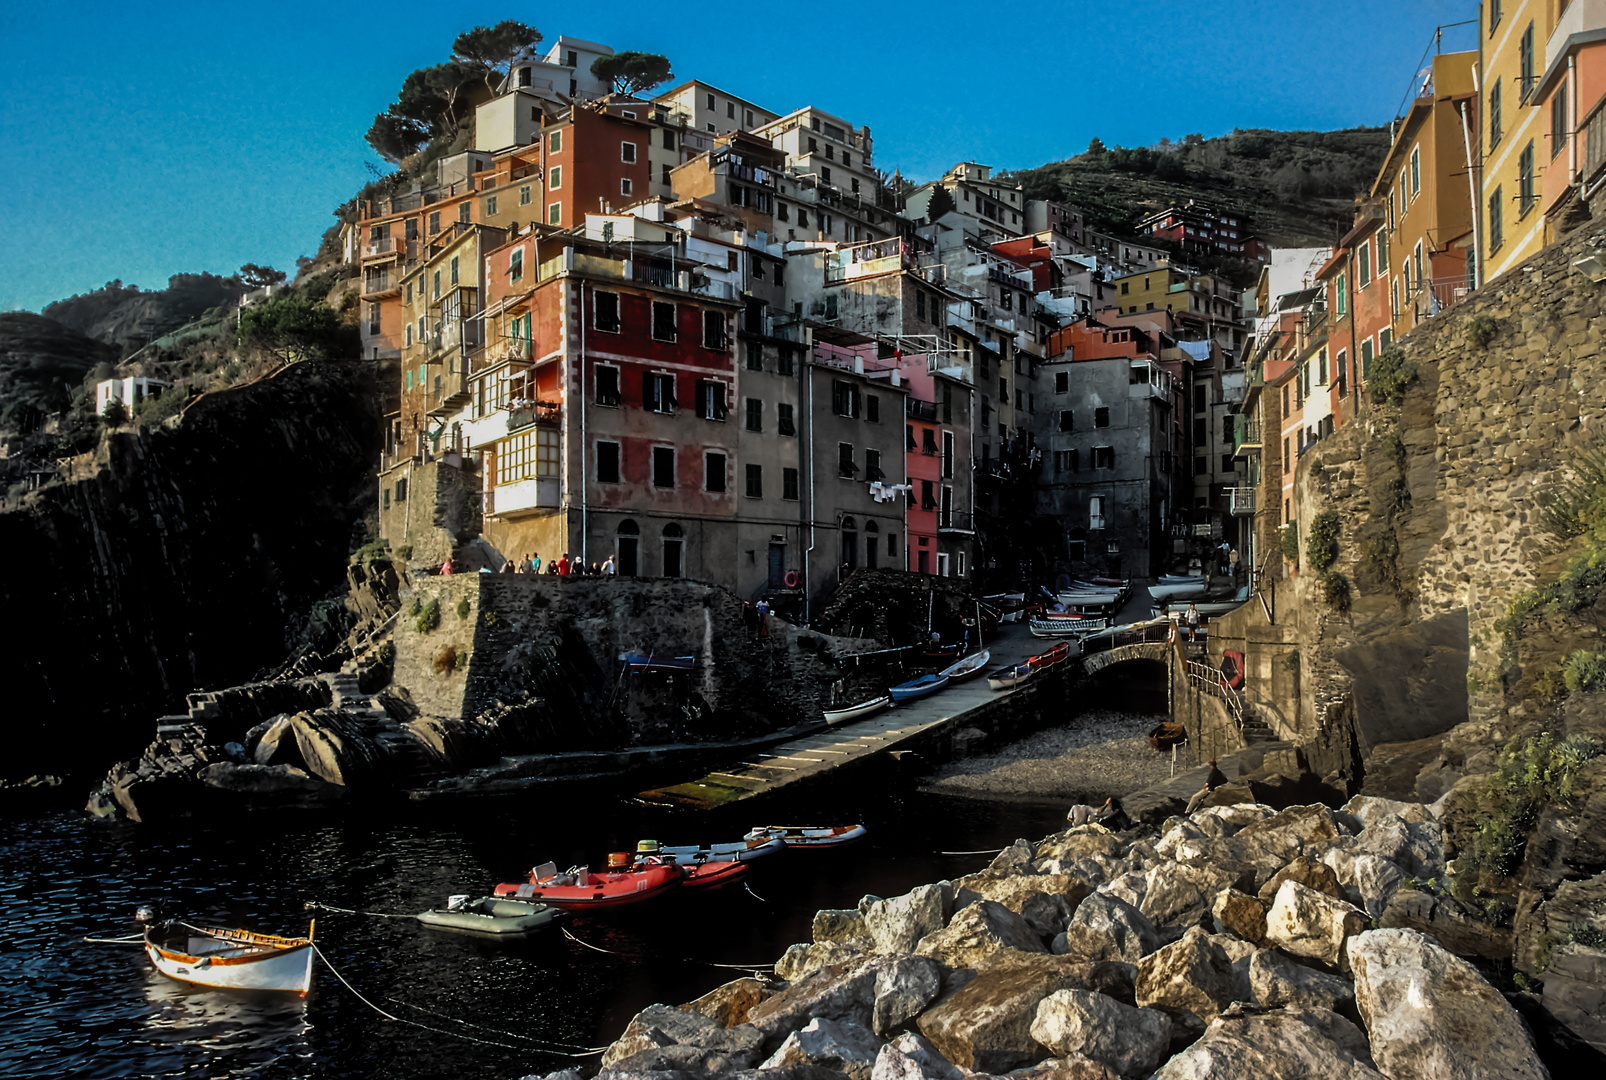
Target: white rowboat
[968,668]
[230,959]
[853,712]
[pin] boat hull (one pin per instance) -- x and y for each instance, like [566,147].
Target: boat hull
[735,851]
[285,969]
[853,712]
[492,915]
[804,837]
[1009,678]
[713,875]
[968,668]
[918,688]
[600,891]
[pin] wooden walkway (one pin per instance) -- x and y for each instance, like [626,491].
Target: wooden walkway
[808,757]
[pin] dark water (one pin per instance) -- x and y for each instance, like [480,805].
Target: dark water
[68,1008]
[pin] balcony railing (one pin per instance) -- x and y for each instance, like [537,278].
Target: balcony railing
[375,248]
[1428,298]
[1246,435]
[521,414]
[1241,501]
[961,521]
[921,410]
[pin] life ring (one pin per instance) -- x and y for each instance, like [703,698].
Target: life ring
[792,579]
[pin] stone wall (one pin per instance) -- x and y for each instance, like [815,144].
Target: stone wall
[543,655]
[1437,504]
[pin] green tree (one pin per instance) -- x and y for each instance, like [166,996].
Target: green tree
[494,50]
[942,202]
[394,136]
[1096,146]
[114,413]
[433,95]
[293,327]
[253,276]
[632,72]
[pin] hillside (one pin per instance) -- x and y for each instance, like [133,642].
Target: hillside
[1297,187]
[128,316]
[42,365]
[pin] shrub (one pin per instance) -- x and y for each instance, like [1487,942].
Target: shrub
[1288,542]
[446,659]
[1481,330]
[414,608]
[373,551]
[462,608]
[1321,548]
[1291,661]
[153,410]
[386,653]
[114,413]
[491,619]
[404,552]
[1391,374]
[1584,670]
[1577,506]
[1531,773]
[429,617]
[1335,590]
[1582,933]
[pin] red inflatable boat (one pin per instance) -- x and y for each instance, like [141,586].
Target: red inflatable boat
[579,888]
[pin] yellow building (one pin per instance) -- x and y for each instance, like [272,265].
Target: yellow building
[1513,34]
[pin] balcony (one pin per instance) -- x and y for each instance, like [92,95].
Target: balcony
[956,521]
[377,286]
[1241,501]
[1428,298]
[450,390]
[1015,279]
[520,497]
[379,249]
[920,410]
[1246,436]
[522,414]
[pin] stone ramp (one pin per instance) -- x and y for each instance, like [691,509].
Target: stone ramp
[846,744]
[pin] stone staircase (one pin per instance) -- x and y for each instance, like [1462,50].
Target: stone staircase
[1255,730]
[407,752]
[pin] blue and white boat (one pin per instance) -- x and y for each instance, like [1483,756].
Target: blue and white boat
[918,687]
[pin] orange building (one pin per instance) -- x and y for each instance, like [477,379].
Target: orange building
[1571,97]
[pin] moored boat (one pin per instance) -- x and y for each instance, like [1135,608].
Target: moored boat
[1206,606]
[853,712]
[693,854]
[968,668]
[1072,627]
[579,888]
[1165,591]
[918,687]
[223,959]
[811,836]
[489,915]
[944,652]
[712,875]
[1007,678]
[1052,657]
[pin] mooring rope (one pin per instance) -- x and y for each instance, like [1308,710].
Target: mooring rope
[686,959]
[753,894]
[993,851]
[452,1034]
[116,940]
[319,905]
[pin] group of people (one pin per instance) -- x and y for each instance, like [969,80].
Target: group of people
[531,564]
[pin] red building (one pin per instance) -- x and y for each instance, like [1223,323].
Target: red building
[1195,227]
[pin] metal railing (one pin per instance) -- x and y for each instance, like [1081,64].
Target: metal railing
[921,410]
[1246,432]
[1241,501]
[1211,681]
[378,247]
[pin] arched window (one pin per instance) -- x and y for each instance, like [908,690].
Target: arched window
[674,549]
[872,544]
[629,553]
[850,544]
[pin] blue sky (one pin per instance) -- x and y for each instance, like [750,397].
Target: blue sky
[153,139]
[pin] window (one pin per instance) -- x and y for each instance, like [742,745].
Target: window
[435,285]
[755,482]
[1067,420]
[674,548]
[1525,179]
[524,195]
[627,186]
[872,465]
[755,356]
[825,173]
[872,408]
[710,399]
[607,463]
[920,305]
[1104,457]
[1341,296]
[605,311]
[713,471]
[515,266]
[663,321]
[845,466]
[710,102]
[627,153]
[714,330]
[1201,466]
[664,176]
[490,206]
[1062,384]
[663,466]
[1366,358]
[658,392]
[554,178]
[669,139]
[802,218]
[1363,264]
[1095,512]
[947,455]
[784,359]
[789,484]
[1416,171]
[1064,461]
[747,115]
[607,380]
[465,212]
[730,110]
[783,419]
[1494,16]
[928,495]
[1101,416]
[1527,54]
[1495,130]
[1496,221]
[844,398]
[533,453]
[435,223]
[755,414]
[1558,120]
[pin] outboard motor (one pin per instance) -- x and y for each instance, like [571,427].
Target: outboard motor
[146,914]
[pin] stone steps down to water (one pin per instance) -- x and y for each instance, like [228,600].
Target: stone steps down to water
[1235,943]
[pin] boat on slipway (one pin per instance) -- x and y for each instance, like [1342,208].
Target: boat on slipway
[223,959]
[489,915]
[968,668]
[1178,588]
[580,889]
[1066,627]
[1050,658]
[867,707]
[1007,678]
[917,687]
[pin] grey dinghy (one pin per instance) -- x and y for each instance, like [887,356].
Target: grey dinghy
[489,915]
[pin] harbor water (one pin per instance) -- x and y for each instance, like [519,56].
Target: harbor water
[489,1008]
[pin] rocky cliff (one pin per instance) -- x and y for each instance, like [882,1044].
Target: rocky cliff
[182,558]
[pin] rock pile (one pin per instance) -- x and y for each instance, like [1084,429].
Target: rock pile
[1237,942]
